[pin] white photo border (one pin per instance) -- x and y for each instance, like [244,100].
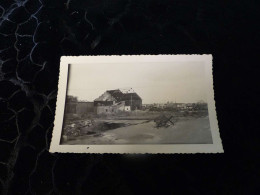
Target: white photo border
[55,146]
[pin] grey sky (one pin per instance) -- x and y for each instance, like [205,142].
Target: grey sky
[154,82]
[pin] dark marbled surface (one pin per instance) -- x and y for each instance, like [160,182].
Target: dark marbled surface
[35,33]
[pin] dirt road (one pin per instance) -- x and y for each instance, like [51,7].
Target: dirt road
[191,131]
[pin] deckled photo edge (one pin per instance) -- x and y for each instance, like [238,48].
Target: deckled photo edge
[55,146]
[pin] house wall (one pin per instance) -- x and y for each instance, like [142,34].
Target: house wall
[135,104]
[127,108]
[104,110]
[103,103]
[120,106]
[109,109]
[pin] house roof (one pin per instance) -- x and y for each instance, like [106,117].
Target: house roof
[131,96]
[118,95]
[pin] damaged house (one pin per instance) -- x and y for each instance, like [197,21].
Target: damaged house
[113,101]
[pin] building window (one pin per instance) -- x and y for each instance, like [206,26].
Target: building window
[106,110]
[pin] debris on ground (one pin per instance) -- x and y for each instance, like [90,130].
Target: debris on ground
[75,128]
[164,121]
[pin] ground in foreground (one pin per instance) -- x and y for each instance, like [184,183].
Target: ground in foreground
[188,131]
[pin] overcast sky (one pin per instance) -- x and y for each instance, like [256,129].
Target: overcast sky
[153,82]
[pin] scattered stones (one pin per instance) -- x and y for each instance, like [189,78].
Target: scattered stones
[76,128]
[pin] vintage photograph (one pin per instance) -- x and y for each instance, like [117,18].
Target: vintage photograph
[137,103]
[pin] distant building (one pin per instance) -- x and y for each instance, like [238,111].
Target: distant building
[189,106]
[181,106]
[171,105]
[156,105]
[113,101]
[147,106]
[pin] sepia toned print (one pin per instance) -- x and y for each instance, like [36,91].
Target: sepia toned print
[136,104]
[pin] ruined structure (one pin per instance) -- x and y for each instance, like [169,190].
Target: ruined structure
[113,101]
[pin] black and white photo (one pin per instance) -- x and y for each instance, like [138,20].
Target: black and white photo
[136,104]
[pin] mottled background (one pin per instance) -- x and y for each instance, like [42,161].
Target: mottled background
[35,33]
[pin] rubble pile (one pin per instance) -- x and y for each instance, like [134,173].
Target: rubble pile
[77,128]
